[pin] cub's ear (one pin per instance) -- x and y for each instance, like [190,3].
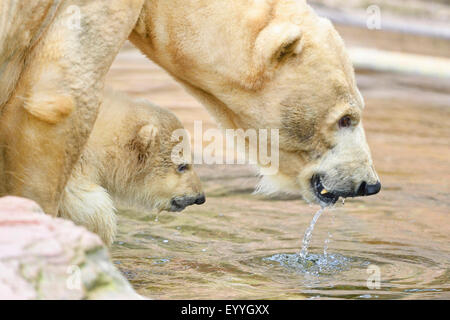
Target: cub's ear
[146,139]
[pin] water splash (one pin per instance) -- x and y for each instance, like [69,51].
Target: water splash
[308,234]
[314,264]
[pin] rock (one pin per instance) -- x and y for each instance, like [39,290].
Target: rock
[42,257]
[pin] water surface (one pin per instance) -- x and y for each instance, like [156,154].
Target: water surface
[239,246]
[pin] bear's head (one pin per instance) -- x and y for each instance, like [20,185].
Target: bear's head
[138,168]
[271,64]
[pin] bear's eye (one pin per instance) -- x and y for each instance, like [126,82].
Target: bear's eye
[345,122]
[183,168]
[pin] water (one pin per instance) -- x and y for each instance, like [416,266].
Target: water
[249,249]
[313,263]
[308,234]
[327,243]
[330,235]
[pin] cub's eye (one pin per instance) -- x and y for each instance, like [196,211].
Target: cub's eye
[345,122]
[183,168]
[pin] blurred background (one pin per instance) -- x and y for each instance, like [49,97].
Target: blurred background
[239,245]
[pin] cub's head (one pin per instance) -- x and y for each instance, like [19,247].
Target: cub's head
[139,169]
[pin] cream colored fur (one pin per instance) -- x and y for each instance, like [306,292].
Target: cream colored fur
[252,63]
[52,75]
[126,161]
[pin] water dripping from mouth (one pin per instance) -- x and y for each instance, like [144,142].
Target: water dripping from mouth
[308,234]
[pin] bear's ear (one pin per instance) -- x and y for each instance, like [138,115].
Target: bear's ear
[146,139]
[279,41]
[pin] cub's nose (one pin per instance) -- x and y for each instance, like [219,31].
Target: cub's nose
[180,203]
[368,189]
[201,199]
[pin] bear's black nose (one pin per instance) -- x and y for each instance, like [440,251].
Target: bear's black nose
[368,189]
[181,202]
[201,199]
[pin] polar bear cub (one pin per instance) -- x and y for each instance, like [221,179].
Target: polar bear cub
[128,161]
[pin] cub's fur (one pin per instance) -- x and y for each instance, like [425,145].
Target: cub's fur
[128,160]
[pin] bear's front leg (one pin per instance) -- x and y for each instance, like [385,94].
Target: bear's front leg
[47,121]
[88,204]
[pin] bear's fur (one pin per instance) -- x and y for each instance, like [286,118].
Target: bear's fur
[262,64]
[128,161]
[54,57]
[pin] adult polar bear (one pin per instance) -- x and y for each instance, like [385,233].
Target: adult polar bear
[252,63]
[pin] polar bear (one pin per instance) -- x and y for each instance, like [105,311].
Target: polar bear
[129,160]
[254,64]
